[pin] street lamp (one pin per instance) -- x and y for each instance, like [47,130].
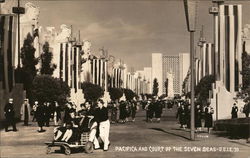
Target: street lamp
[18,10]
[190,7]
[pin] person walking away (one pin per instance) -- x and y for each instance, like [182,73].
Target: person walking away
[40,116]
[208,117]
[198,113]
[114,112]
[134,106]
[34,109]
[128,110]
[234,111]
[47,113]
[188,116]
[122,109]
[101,116]
[246,108]
[147,109]
[9,114]
[151,110]
[158,110]
[181,115]
[25,112]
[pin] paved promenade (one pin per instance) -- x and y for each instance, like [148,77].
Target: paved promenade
[138,139]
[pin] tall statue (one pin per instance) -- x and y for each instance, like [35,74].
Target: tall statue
[64,35]
[85,62]
[170,84]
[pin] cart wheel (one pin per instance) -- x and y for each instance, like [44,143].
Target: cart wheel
[48,150]
[67,150]
[89,147]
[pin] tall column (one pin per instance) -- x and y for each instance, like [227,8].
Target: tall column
[77,78]
[209,54]
[101,73]
[239,43]
[222,43]
[105,76]
[216,48]
[69,64]
[94,71]
[64,64]
[97,71]
[231,49]
[204,50]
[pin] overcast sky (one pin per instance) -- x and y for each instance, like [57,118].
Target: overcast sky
[130,30]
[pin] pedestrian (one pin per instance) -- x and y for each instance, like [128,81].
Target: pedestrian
[34,109]
[188,116]
[181,115]
[9,113]
[151,110]
[134,106]
[48,111]
[25,112]
[246,108]
[197,117]
[128,110]
[122,109]
[158,110]
[67,116]
[114,109]
[40,116]
[101,116]
[208,117]
[57,113]
[147,109]
[234,111]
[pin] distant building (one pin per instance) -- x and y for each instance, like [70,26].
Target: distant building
[171,65]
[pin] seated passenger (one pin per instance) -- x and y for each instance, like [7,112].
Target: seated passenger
[65,133]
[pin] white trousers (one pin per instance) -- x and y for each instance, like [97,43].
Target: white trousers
[104,133]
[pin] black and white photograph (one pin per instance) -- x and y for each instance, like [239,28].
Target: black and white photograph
[124,78]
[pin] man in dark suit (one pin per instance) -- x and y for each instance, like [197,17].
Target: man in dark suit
[9,113]
[234,111]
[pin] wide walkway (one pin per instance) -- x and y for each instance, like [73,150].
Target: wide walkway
[138,139]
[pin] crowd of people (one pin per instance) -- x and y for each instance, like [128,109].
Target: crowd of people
[201,114]
[70,123]
[123,111]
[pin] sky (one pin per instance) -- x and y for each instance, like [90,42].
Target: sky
[130,30]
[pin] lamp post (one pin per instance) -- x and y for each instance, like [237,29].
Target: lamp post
[190,7]
[18,10]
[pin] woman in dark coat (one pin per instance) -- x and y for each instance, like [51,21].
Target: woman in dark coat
[198,113]
[234,111]
[188,116]
[208,117]
[40,116]
[181,115]
[122,109]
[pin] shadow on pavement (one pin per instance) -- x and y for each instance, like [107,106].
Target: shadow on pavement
[177,135]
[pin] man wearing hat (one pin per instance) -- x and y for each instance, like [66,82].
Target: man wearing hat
[9,113]
[25,112]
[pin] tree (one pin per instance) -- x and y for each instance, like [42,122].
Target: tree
[115,93]
[129,94]
[48,89]
[166,86]
[203,87]
[46,57]
[29,61]
[245,69]
[28,70]
[91,91]
[155,87]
